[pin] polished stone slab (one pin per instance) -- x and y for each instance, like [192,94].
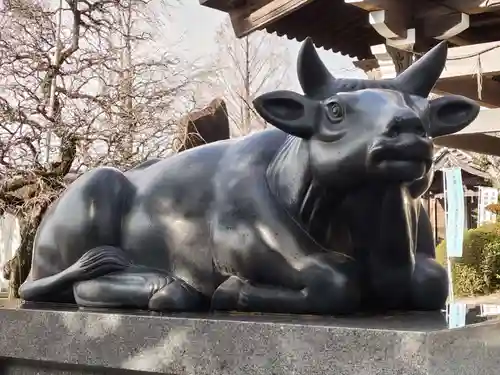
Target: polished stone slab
[48,339]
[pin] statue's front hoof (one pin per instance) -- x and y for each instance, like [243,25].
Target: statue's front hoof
[227,295]
[178,296]
[429,285]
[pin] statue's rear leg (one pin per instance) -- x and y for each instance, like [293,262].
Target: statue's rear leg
[79,237]
[141,288]
[78,255]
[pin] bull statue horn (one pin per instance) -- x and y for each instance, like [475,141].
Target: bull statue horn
[312,72]
[421,77]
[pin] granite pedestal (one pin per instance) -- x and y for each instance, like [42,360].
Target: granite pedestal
[57,340]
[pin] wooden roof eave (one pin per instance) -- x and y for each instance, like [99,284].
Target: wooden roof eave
[478,136]
[479,143]
[363,23]
[449,159]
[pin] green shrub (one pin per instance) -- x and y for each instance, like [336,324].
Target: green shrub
[490,266]
[478,270]
[467,281]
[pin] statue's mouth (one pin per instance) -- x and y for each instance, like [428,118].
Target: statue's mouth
[406,163]
[405,153]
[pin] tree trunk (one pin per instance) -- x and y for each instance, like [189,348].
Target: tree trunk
[247,88]
[20,264]
[125,21]
[17,269]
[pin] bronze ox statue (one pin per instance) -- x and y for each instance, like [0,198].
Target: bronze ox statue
[319,215]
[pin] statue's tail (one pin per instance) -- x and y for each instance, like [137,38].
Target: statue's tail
[96,262]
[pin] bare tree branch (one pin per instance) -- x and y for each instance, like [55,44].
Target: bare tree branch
[112,101]
[246,68]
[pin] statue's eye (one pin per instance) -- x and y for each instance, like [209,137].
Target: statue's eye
[335,111]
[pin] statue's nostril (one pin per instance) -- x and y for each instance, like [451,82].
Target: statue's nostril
[405,124]
[395,129]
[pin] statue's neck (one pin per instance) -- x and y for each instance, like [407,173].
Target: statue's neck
[323,211]
[292,183]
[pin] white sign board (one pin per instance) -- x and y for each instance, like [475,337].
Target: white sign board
[455,211]
[487,309]
[457,314]
[10,238]
[487,195]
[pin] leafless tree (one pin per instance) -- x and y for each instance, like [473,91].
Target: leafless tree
[248,67]
[80,86]
[489,164]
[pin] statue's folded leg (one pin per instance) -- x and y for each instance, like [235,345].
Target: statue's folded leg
[105,277]
[429,287]
[429,284]
[94,263]
[328,289]
[79,237]
[141,288]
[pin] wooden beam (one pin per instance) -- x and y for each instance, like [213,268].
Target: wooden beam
[463,62]
[467,60]
[485,122]
[463,39]
[387,66]
[367,65]
[223,5]
[245,21]
[388,24]
[446,26]
[423,11]
[452,6]
[394,21]
[374,5]
[440,20]
[458,76]
[473,6]
[480,143]
[390,18]
[467,86]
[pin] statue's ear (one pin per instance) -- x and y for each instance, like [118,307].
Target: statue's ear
[450,114]
[291,112]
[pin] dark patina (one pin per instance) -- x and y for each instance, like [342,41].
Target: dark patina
[320,215]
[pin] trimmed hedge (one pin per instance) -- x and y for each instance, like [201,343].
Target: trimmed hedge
[478,271]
